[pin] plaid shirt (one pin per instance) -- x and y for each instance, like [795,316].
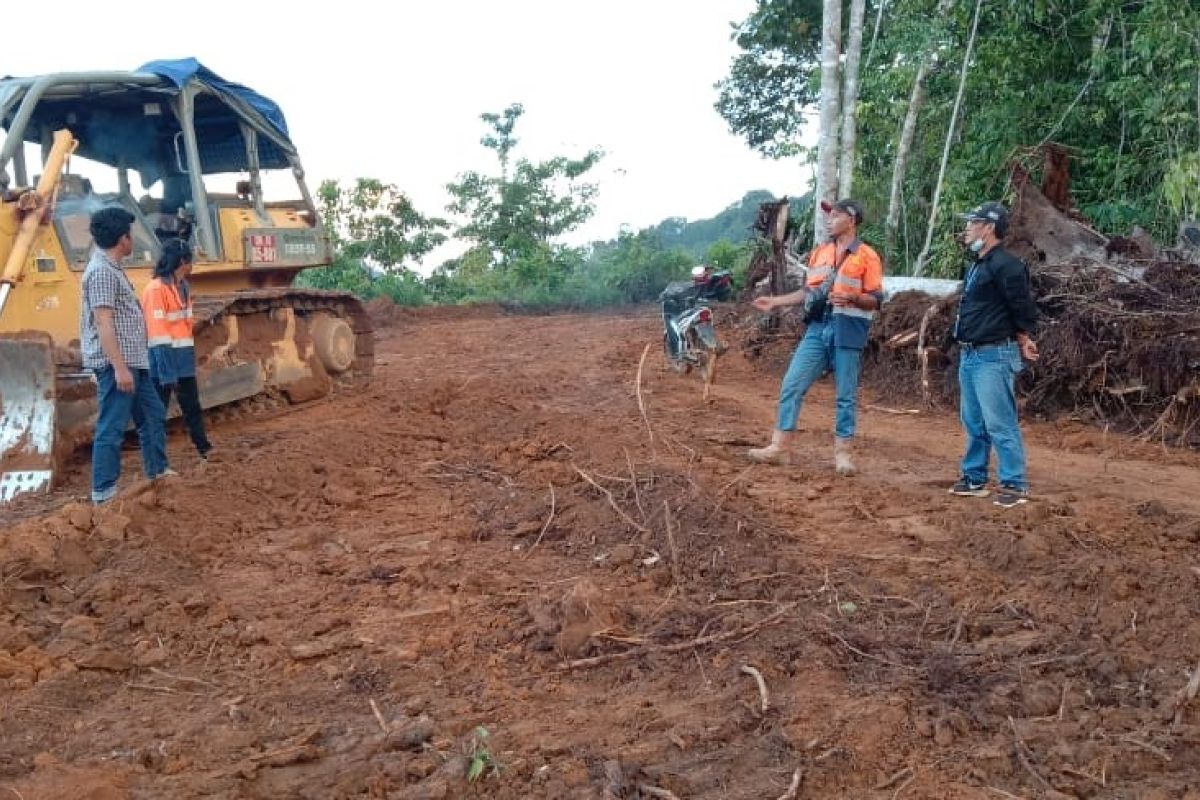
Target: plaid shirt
[105,285]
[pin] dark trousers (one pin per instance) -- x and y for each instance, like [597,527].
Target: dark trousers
[188,395]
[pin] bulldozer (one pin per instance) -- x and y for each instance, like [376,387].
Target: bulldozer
[176,130]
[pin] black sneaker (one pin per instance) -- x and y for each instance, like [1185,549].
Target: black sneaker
[1011,497]
[965,487]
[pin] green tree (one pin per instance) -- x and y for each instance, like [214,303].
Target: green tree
[376,223]
[376,233]
[771,83]
[724,254]
[518,213]
[637,267]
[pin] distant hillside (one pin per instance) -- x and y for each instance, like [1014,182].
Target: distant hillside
[732,224]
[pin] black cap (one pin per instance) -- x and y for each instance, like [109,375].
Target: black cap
[851,207]
[989,212]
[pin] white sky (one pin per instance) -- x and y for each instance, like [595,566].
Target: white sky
[394,91]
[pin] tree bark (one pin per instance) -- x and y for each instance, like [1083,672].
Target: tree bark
[858,10]
[875,32]
[919,269]
[916,102]
[827,143]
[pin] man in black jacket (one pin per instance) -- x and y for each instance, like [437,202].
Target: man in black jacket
[994,327]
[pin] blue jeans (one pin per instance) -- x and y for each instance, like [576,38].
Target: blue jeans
[988,409]
[116,408]
[816,355]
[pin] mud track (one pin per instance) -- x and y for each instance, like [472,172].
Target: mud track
[491,537]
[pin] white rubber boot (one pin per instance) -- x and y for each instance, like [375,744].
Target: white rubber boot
[843,463]
[779,451]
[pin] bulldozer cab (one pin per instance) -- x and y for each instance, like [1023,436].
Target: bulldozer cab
[172,127]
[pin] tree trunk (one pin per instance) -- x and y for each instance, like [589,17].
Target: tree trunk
[875,32]
[919,269]
[916,102]
[858,9]
[778,251]
[827,143]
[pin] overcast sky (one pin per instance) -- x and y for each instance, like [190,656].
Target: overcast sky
[394,91]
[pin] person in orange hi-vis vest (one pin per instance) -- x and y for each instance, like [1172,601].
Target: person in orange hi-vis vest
[842,291]
[167,305]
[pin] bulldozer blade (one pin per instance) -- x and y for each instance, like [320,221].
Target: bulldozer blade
[27,410]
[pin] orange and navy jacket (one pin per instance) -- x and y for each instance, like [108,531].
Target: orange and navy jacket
[861,272]
[167,307]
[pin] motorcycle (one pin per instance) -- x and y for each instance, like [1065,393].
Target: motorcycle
[689,336]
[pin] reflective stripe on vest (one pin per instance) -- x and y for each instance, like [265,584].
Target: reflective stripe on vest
[168,318]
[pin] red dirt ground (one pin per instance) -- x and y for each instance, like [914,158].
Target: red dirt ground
[337,607]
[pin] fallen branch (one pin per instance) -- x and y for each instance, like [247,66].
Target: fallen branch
[637,498]
[546,526]
[890,782]
[147,687]
[923,354]
[1078,773]
[378,716]
[458,470]
[767,577]
[864,513]
[637,387]
[958,629]
[897,557]
[1003,793]
[186,679]
[903,786]
[901,339]
[405,615]
[794,789]
[612,502]
[762,685]
[895,411]
[1186,695]
[654,791]
[675,573]
[1149,748]
[880,659]
[1023,757]
[748,630]
[721,492]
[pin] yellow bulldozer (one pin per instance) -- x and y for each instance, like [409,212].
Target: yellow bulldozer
[175,129]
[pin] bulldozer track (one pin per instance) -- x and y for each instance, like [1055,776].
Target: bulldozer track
[208,309]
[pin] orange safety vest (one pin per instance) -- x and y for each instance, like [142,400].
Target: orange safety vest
[168,316]
[861,272]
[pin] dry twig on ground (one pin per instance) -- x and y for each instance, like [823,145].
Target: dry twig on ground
[738,633]
[762,685]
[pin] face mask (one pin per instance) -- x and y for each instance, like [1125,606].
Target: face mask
[975,246]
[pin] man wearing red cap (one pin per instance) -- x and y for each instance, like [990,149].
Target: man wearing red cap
[842,291]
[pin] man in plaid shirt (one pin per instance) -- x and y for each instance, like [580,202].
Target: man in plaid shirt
[112,335]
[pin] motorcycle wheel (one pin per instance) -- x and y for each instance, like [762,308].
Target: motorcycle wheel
[677,365]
